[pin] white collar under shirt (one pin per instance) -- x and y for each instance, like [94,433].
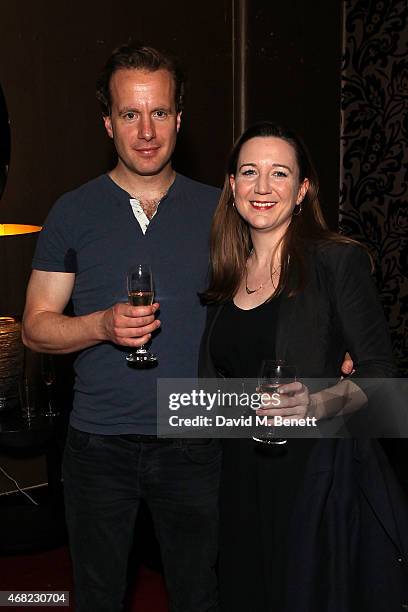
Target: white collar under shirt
[140,214]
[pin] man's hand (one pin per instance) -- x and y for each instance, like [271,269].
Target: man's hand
[347,367]
[47,330]
[129,325]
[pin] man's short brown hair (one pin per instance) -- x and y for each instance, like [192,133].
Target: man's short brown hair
[138,57]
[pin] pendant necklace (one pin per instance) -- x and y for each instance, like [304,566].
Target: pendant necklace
[251,291]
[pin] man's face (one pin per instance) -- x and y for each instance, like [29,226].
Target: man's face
[143,121]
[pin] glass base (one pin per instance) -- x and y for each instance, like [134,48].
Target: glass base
[51,412]
[141,359]
[272,441]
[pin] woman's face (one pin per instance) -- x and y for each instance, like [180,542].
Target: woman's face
[266,185]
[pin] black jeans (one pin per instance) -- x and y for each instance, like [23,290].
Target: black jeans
[104,479]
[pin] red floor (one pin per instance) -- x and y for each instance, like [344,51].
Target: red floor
[51,570]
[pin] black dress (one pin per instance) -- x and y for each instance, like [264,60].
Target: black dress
[253,543]
[348,522]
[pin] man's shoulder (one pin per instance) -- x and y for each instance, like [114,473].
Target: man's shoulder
[198,189]
[88,196]
[93,187]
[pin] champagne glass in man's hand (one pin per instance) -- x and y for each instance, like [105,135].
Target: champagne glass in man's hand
[272,374]
[141,293]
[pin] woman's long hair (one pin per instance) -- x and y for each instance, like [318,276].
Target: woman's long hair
[231,242]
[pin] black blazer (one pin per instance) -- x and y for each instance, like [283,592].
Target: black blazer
[338,311]
[350,533]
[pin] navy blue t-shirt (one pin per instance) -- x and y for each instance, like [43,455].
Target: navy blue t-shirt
[92,231]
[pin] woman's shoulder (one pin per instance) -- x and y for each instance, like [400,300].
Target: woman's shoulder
[338,253]
[212,311]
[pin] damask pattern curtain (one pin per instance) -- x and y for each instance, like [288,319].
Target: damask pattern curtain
[374,149]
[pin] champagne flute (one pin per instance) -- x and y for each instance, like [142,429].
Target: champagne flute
[141,293]
[272,374]
[49,380]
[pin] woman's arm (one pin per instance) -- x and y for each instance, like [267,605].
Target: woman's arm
[359,311]
[365,332]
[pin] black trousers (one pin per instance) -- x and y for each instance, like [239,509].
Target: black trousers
[105,477]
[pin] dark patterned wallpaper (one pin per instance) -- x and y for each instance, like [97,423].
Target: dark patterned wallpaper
[374,149]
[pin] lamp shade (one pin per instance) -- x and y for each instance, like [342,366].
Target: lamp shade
[16,229]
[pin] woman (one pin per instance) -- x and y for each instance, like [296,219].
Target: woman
[298,527]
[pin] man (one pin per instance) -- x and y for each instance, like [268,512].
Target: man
[141,212]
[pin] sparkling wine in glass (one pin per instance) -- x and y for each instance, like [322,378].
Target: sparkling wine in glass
[272,374]
[141,293]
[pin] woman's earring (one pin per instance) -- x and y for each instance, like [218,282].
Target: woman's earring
[299,210]
[233,204]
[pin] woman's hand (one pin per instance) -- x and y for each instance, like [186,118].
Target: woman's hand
[291,400]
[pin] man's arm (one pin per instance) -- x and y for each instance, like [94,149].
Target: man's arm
[47,330]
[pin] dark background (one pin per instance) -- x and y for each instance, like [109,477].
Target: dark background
[50,55]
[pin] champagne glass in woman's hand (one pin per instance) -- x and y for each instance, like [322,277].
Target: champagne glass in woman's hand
[141,293]
[272,374]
